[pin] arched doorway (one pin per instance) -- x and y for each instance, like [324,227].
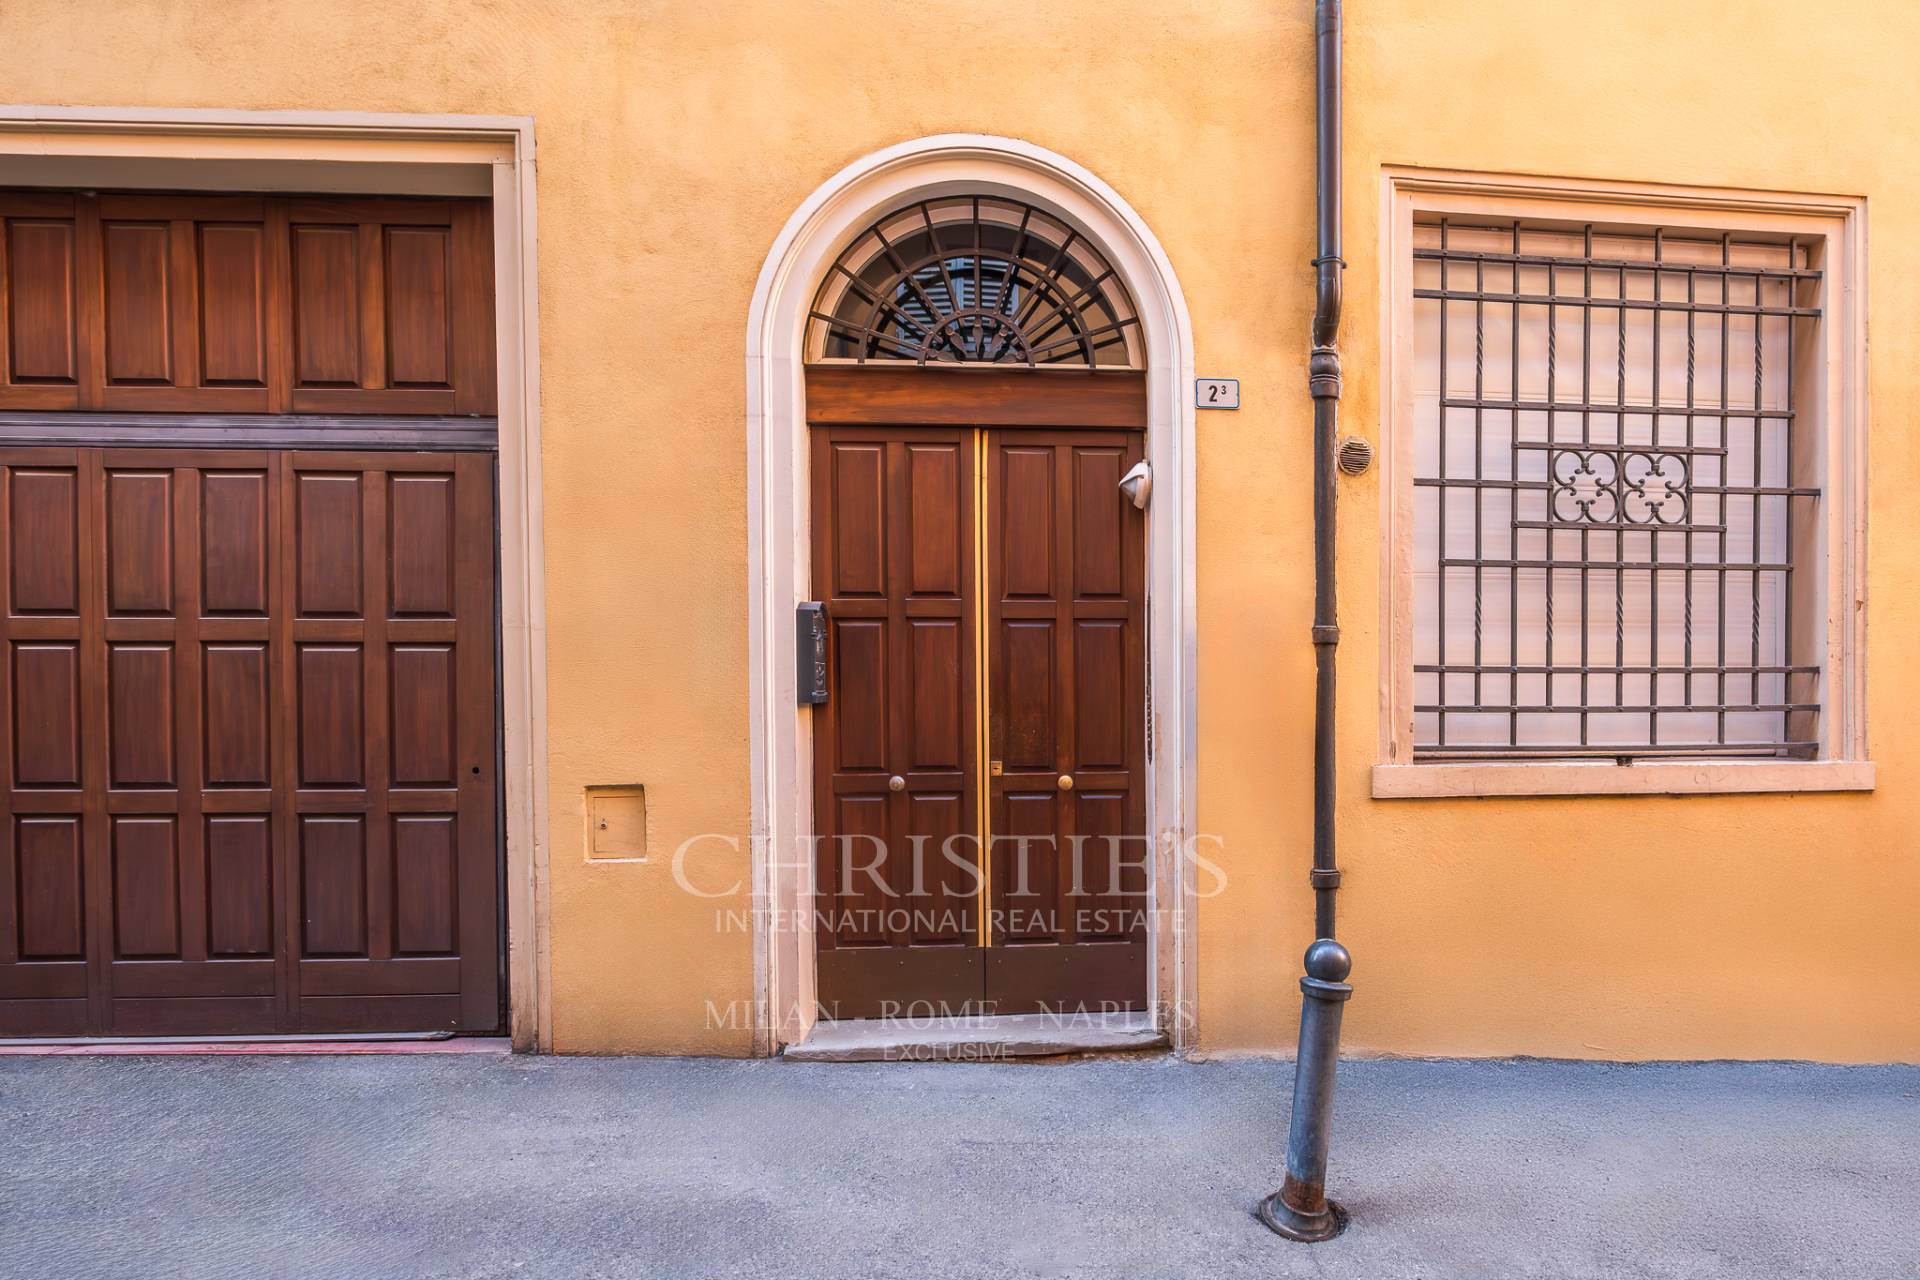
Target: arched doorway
[975,414]
[971,341]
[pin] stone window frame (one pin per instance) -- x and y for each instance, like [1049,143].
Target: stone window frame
[1840,399]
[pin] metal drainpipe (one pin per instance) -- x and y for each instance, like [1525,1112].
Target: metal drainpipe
[1300,1210]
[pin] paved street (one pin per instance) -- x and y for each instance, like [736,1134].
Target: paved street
[377,1167]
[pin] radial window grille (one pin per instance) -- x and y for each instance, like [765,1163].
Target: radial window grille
[1615,501]
[974,280]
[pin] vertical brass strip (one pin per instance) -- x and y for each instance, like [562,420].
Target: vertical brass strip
[983,735]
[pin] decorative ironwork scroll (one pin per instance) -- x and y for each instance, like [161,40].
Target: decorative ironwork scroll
[974,279]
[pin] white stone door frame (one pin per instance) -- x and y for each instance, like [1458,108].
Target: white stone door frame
[778,544]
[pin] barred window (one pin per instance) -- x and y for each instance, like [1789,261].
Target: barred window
[1615,472]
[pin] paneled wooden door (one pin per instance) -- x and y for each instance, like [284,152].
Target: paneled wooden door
[977,577]
[896,750]
[1066,682]
[249,727]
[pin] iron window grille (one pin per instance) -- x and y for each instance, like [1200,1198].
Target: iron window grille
[974,279]
[1611,493]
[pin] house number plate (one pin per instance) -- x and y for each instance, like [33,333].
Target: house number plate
[1216,393]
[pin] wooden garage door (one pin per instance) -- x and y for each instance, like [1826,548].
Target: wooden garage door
[248,734]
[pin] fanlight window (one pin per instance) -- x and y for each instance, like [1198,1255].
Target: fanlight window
[974,279]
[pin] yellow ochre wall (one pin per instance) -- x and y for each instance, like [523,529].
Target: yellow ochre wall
[674,141]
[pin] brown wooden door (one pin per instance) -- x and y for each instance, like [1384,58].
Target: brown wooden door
[1066,603]
[896,798]
[387,601]
[249,730]
[1049,641]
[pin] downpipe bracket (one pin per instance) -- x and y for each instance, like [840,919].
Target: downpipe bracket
[1323,373]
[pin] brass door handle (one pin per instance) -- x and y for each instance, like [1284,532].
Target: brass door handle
[896,783]
[1066,782]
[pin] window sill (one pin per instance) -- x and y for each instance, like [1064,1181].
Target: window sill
[1605,778]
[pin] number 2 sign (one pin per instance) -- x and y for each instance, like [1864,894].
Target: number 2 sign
[1216,393]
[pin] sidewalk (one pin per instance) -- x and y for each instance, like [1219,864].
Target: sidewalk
[377,1168]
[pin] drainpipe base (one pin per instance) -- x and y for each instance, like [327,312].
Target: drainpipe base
[1308,1228]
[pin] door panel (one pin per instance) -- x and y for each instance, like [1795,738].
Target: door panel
[186,316]
[250,737]
[394,798]
[51,901]
[46,711]
[903,517]
[47,897]
[894,562]
[43,509]
[391,304]
[1066,604]
[239,886]
[41,333]
[144,303]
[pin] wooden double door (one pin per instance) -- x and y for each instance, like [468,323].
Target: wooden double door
[248,729]
[979,765]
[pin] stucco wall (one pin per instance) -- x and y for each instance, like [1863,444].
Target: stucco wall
[1772,927]
[675,139]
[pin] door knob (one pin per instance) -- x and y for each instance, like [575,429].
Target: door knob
[896,783]
[1066,782]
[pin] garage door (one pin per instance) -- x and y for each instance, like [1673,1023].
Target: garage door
[248,724]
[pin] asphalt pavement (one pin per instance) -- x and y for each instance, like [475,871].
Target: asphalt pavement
[480,1166]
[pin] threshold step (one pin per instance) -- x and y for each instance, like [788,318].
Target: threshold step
[976,1039]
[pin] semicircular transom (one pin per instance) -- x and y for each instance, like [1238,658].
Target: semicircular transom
[974,279]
